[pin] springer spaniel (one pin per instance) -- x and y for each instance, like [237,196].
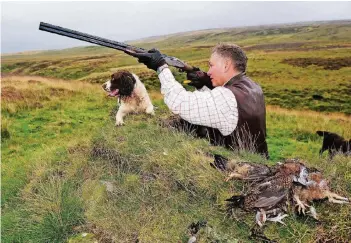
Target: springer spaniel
[131,92]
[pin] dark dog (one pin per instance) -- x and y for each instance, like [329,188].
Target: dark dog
[334,144]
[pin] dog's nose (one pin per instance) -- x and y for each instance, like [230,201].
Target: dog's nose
[104,86]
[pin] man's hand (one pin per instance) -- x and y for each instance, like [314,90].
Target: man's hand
[199,79]
[153,59]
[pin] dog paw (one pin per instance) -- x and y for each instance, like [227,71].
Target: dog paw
[150,111]
[119,123]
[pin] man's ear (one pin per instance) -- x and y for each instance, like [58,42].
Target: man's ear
[227,65]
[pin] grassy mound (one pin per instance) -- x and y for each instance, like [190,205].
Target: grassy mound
[143,180]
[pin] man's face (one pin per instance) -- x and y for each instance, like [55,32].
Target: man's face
[217,69]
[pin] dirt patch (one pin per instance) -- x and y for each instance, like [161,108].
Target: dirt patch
[11,94]
[5,75]
[169,122]
[103,152]
[326,63]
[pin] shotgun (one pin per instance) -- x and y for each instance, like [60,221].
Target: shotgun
[128,49]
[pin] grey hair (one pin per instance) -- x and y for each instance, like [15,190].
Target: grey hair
[233,52]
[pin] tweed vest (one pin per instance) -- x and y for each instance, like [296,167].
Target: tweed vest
[250,133]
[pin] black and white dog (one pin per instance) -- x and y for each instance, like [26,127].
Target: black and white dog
[131,93]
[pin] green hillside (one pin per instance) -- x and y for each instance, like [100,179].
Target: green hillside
[293,63]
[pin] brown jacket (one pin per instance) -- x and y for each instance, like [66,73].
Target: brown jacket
[250,133]
[251,128]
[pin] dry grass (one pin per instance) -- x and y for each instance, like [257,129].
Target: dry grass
[28,92]
[309,113]
[26,81]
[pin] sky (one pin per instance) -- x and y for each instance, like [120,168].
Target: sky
[122,21]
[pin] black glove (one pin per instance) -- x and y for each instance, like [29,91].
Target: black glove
[152,59]
[199,79]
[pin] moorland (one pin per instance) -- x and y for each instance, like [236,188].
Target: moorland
[68,174]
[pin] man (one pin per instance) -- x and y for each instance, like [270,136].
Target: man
[228,107]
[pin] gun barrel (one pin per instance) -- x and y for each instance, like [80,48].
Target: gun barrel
[172,61]
[88,38]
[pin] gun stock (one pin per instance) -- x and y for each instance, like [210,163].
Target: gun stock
[128,49]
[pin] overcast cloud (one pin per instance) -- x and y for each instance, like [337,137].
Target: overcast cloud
[123,21]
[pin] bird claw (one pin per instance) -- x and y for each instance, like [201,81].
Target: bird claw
[301,207]
[261,218]
[334,198]
[278,218]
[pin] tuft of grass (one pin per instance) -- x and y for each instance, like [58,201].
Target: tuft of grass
[5,132]
[49,206]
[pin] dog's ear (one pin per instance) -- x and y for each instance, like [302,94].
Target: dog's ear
[130,77]
[115,76]
[320,133]
[126,77]
[125,82]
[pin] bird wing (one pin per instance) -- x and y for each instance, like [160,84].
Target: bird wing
[252,171]
[258,172]
[219,162]
[270,198]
